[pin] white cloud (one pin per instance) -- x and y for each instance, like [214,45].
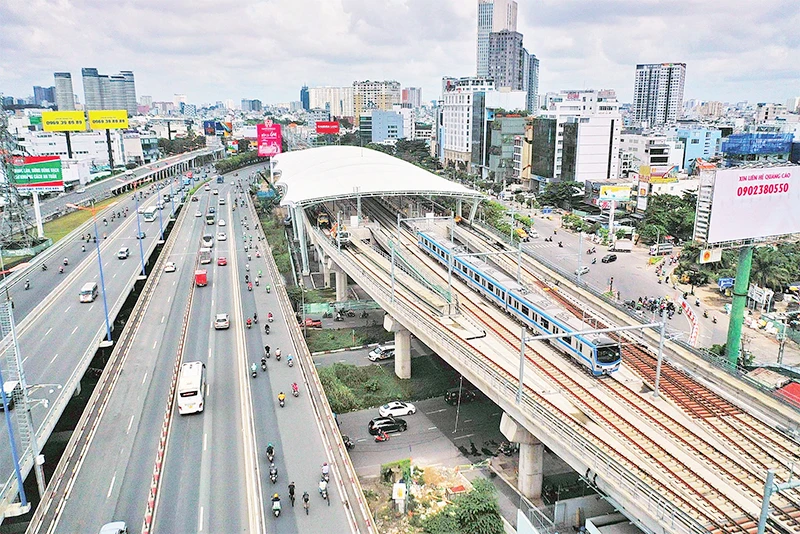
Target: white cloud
[212,50]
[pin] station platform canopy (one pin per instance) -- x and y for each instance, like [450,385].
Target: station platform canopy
[315,175]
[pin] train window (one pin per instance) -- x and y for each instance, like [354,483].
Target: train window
[476,277]
[490,286]
[525,310]
[545,324]
[608,354]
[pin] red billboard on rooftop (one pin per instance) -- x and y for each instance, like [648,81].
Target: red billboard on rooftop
[327,127]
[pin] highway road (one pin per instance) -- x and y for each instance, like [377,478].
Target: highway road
[55,337]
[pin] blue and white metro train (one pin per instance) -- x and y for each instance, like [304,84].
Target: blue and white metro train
[599,353]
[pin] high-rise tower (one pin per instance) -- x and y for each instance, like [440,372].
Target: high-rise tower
[658,92]
[65,96]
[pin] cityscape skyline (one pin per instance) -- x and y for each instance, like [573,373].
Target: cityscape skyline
[578,48]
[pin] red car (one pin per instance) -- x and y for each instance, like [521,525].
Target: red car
[222,261]
[312,323]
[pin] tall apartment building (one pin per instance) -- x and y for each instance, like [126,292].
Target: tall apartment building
[92,97]
[44,94]
[411,96]
[251,105]
[507,59]
[493,16]
[109,92]
[531,81]
[374,95]
[462,119]
[65,96]
[336,100]
[576,138]
[304,97]
[658,92]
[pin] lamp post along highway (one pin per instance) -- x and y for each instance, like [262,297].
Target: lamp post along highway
[94,210]
[171,199]
[160,219]
[139,232]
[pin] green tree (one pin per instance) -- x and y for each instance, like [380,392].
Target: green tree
[476,512]
[769,268]
[668,215]
[560,194]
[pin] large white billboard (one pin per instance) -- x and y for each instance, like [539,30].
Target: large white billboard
[755,202]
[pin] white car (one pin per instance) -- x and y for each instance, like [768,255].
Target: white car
[221,321]
[207,187]
[198,214]
[215,192]
[221,222]
[221,236]
[581,270]
[169,267]
[397,408]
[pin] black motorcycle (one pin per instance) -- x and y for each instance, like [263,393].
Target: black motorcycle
[348,443]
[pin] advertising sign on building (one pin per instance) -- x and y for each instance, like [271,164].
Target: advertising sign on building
[63,121]
[108,119]
[753,203]
[620,193]
[209,128]
[269,139]
[710,255]
[38,173]
[327,127]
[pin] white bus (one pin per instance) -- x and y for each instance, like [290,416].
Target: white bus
[191,387]
[205,255]
[150,214]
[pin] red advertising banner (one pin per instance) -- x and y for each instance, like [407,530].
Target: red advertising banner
[327,127]
[269,139]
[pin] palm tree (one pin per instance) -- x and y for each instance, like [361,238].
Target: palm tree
[769,269]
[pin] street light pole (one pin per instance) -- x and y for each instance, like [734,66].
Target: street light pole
[102,278]
[172,198]
[139,232]
[661,328]
[160,220]
[458,403]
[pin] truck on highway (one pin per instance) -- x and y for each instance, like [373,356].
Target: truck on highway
[201,278]
[621,245]
[205,255]
[661,249]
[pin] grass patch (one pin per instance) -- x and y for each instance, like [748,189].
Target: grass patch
[57,229]
[350,387]
[319,340]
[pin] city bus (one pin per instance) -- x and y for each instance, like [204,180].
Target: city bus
[210,218]
[191,387]
[150,214]
[205,255]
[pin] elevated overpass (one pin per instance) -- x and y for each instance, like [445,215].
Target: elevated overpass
[658,473]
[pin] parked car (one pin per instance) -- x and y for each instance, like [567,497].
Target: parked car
[312,323]
[395,408]
[467,395]
[169,267]
[608,258]
[581,270]
[222,321]
[222,261]
[387,424]
[381,352]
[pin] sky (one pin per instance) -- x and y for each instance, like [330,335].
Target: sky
[210,50]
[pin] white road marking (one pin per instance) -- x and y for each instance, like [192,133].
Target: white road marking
[68,307]
[75,330]
[464,437]
[144,377]
[111,487]
[467,420]
[205,441]
[436,411]
[115,275]
[200,521]
[54,358]
[155,343]
[170,297]
[48,331]
[431,428]
[130,423]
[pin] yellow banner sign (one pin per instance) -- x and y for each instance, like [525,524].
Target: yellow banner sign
[63,121]
[108,119]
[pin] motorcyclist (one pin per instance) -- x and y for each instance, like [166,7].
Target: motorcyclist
[290,360]
[61,269]
[44,267]
[269,316]
[281,397]
[249,322]
[295,388]
[326,470]
[273,471]
[249,286]
[83,248]
[255,317]
[291,492]
[278,352]
[247,267]
[27,284]
[246,278]
[66,262]
[254,368]
[270,450]
[276,502]
[266,350]
[323,486]
[269,288]
[266,329]
[259,273]
[263,361]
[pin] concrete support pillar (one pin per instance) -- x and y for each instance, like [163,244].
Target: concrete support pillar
[460,207]
[531,457]
[326,270]
[402,346]
[341,285]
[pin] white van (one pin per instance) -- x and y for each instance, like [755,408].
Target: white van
[88,292]
[381,352]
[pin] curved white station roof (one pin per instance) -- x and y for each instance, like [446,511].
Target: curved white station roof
[331,172]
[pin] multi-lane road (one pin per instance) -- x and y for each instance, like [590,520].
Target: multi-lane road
[215,473]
